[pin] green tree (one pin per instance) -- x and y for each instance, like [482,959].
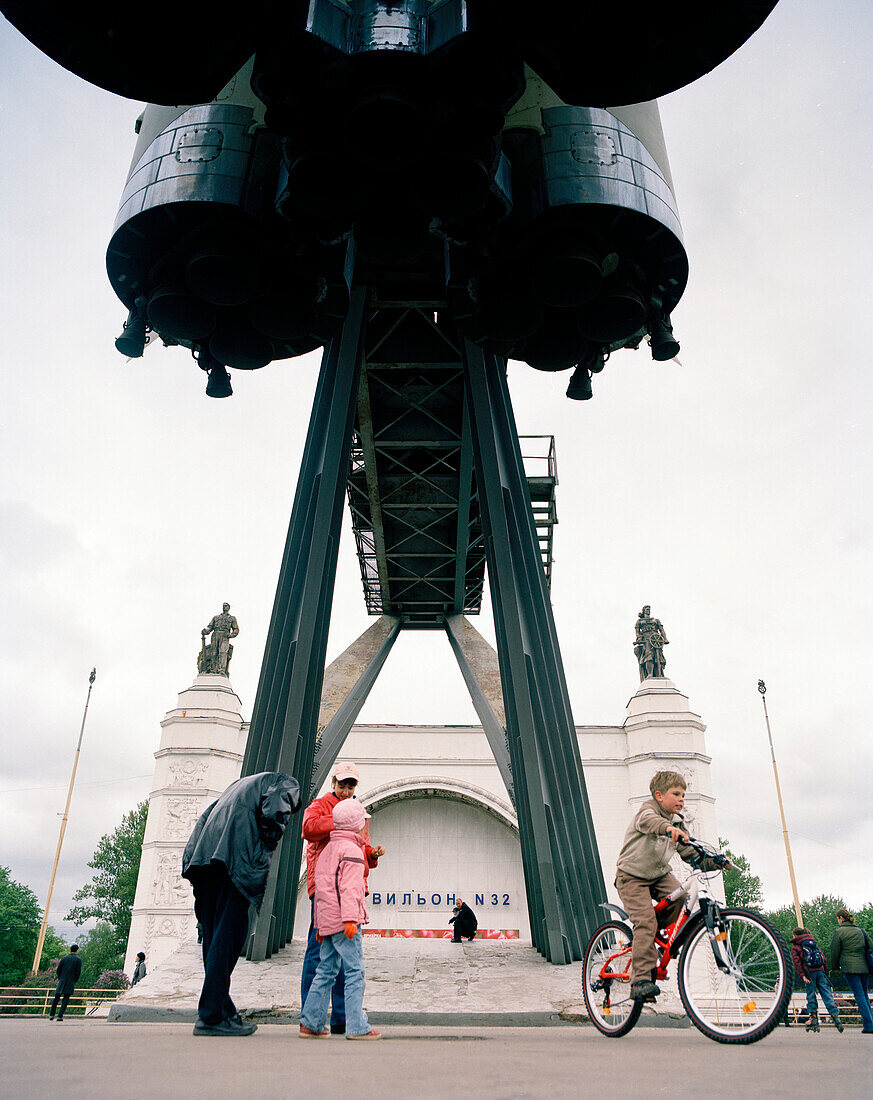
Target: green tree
[741,887]
[109,895]
[99,951]
[20,919]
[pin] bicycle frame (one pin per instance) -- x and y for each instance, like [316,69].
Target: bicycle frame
[698,902]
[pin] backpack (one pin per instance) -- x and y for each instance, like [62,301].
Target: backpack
[811,954]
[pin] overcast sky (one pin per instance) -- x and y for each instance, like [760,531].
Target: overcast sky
[731,493]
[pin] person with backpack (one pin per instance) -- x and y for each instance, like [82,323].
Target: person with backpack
[812,967]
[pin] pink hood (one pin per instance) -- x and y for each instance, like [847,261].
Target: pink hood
[339,883]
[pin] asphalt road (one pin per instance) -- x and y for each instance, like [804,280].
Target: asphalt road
[93,1059]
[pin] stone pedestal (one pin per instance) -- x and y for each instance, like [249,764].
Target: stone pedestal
[663,733]
[200,754]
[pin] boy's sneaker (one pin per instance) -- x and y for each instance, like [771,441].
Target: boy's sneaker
[305,1033]
[644,990]
[371,1034]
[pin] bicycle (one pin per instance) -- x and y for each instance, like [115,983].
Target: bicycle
[733,966]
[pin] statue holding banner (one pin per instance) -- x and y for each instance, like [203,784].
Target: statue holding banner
[649,645]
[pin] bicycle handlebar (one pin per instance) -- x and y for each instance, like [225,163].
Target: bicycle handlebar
[708,851]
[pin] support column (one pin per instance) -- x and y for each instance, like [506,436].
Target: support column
[347,683]
[562,867]
[285,714]
[481,671]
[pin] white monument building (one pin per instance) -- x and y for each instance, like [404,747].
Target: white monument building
[438,805]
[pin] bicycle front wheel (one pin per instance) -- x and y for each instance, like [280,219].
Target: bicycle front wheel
[746,1003]
[606,981]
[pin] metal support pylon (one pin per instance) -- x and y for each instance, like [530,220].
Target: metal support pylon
[285,715]
[563,875]
[543,771]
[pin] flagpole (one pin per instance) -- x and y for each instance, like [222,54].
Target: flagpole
[66,814]
[762,687]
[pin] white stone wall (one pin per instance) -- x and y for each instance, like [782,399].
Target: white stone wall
[200,754]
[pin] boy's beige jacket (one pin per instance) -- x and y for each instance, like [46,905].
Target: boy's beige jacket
[646,850]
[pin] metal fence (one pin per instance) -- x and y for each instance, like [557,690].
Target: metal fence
[849,1012]
[17,1000]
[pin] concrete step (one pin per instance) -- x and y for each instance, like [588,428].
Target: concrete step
[422,981]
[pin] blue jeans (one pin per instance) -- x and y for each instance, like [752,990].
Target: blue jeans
[858,986]
[336,952]
[310,965]
[818,980]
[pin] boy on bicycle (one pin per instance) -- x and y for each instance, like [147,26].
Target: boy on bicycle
[643,873]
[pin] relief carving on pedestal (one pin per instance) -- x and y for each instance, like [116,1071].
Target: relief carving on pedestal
[169,886]
[188,773]
[181,816]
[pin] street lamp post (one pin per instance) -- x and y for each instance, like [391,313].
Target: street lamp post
[762,687]
[48,900]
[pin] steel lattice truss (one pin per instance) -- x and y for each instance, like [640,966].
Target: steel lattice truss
[412,489]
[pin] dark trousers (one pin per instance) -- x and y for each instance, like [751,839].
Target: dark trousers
[310,965]
[62,993]
[223,913]
[463,931]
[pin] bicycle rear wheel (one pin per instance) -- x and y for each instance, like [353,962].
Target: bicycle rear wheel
[746,1004]
[606,981]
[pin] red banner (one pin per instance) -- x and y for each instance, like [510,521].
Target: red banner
[441,933]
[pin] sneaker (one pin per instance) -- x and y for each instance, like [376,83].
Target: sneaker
[305,1033]
[337,1029]
[234,1025]
[371,1034]
[838,1024]
[644,990]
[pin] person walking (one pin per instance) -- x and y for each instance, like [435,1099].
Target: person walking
[139,971]
[227,860]
[850,948]
[811,965]
[69,969]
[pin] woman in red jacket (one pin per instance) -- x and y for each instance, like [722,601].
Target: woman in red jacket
[317,826]
[339,914]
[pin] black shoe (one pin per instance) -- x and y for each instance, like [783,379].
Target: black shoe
[644,990]
[337,1029]
[838,1024]
[235,1025]
[51,1018]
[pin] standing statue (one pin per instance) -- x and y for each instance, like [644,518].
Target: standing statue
[649,645]
[215,656]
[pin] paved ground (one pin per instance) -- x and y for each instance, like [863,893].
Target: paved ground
[89,1060]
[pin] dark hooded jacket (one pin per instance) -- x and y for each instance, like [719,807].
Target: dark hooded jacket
[464,921]
[240,831]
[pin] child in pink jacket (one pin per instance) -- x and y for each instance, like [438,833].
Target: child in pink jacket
[339,914]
